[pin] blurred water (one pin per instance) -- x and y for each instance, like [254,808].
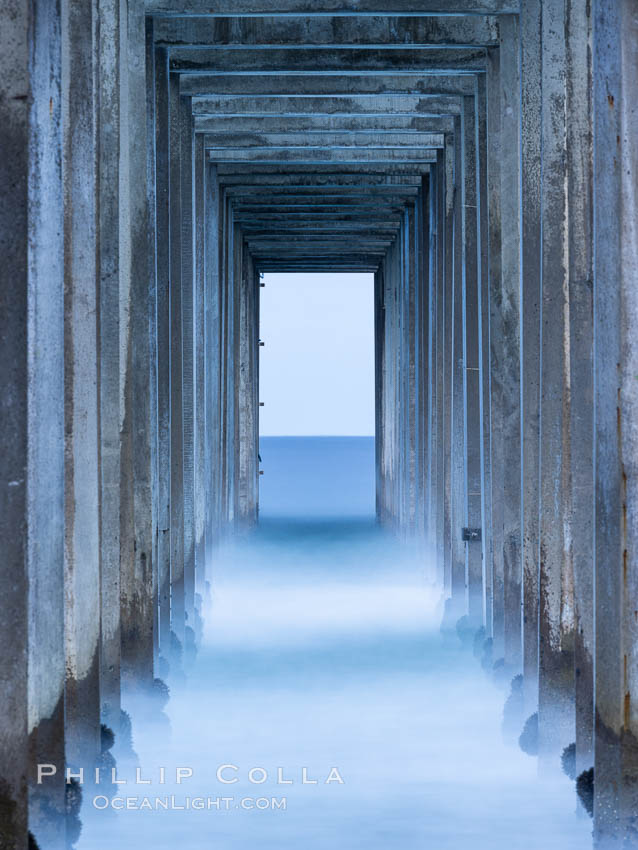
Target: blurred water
[322,650]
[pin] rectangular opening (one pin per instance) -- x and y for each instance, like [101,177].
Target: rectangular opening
[316,382]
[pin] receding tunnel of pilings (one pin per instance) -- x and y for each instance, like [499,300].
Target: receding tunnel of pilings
[478,160]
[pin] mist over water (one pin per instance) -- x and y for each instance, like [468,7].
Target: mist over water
[322,650]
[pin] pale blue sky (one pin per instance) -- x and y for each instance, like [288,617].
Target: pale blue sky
[317,365]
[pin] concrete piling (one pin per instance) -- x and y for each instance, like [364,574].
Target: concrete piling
[615,52]
[556,618]
[81,383]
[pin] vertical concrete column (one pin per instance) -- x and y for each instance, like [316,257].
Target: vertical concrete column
[458,597]
[15,20]
[439,296]
[556,612]
[579,189]
[425,389]
[232,259]
[248,404]
[176,232]
[484,345]
[448,360]
[530,234]
[151,259]
[32,415]
[213,356]
[254,344]
[235,284]
[471,356]
[616,410]
[186,165]
[413,494]
[43,249]
[138,572]
[123,335]
[161,142]
[402,442]
[395,395]
[428,259]
[494,574]
[201,406]
[110,418]
[389,460]
[379,392]
[392,390]
[232,390]
[510,317]
[226,387]
[80,63]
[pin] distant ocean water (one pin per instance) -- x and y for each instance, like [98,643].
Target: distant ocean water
[317,477]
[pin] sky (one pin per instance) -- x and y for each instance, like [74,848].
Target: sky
[316,369]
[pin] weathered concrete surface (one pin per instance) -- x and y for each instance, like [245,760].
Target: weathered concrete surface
[319,60]
[615,369]
[458,597]
[213,351]
[45,426]
[202,400]
[473,426]
[448,365]
[510,343]
[494,596]
[390,106]
[248,392]
[530,229]
[185,214]
[331,8]
[327,31]
[110,209]
[414,83]
[556,579]
[32,413]
[162,342]
[177,602]
[81,385]
[579,87]
[139,571]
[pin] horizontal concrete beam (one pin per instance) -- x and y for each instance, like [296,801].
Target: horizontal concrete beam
[310,124]
[320,141]
[266,266]
[234,61]
[311,156]
[325,231]
[377,208]
[319,222]
[319,251]
[330,8]
[324,174]
[303,268]
[259,205]
[331,178]
[312,243]
[254,196]
[408,106]
[282,219]
[320,257]
[351,31]
[327,85]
